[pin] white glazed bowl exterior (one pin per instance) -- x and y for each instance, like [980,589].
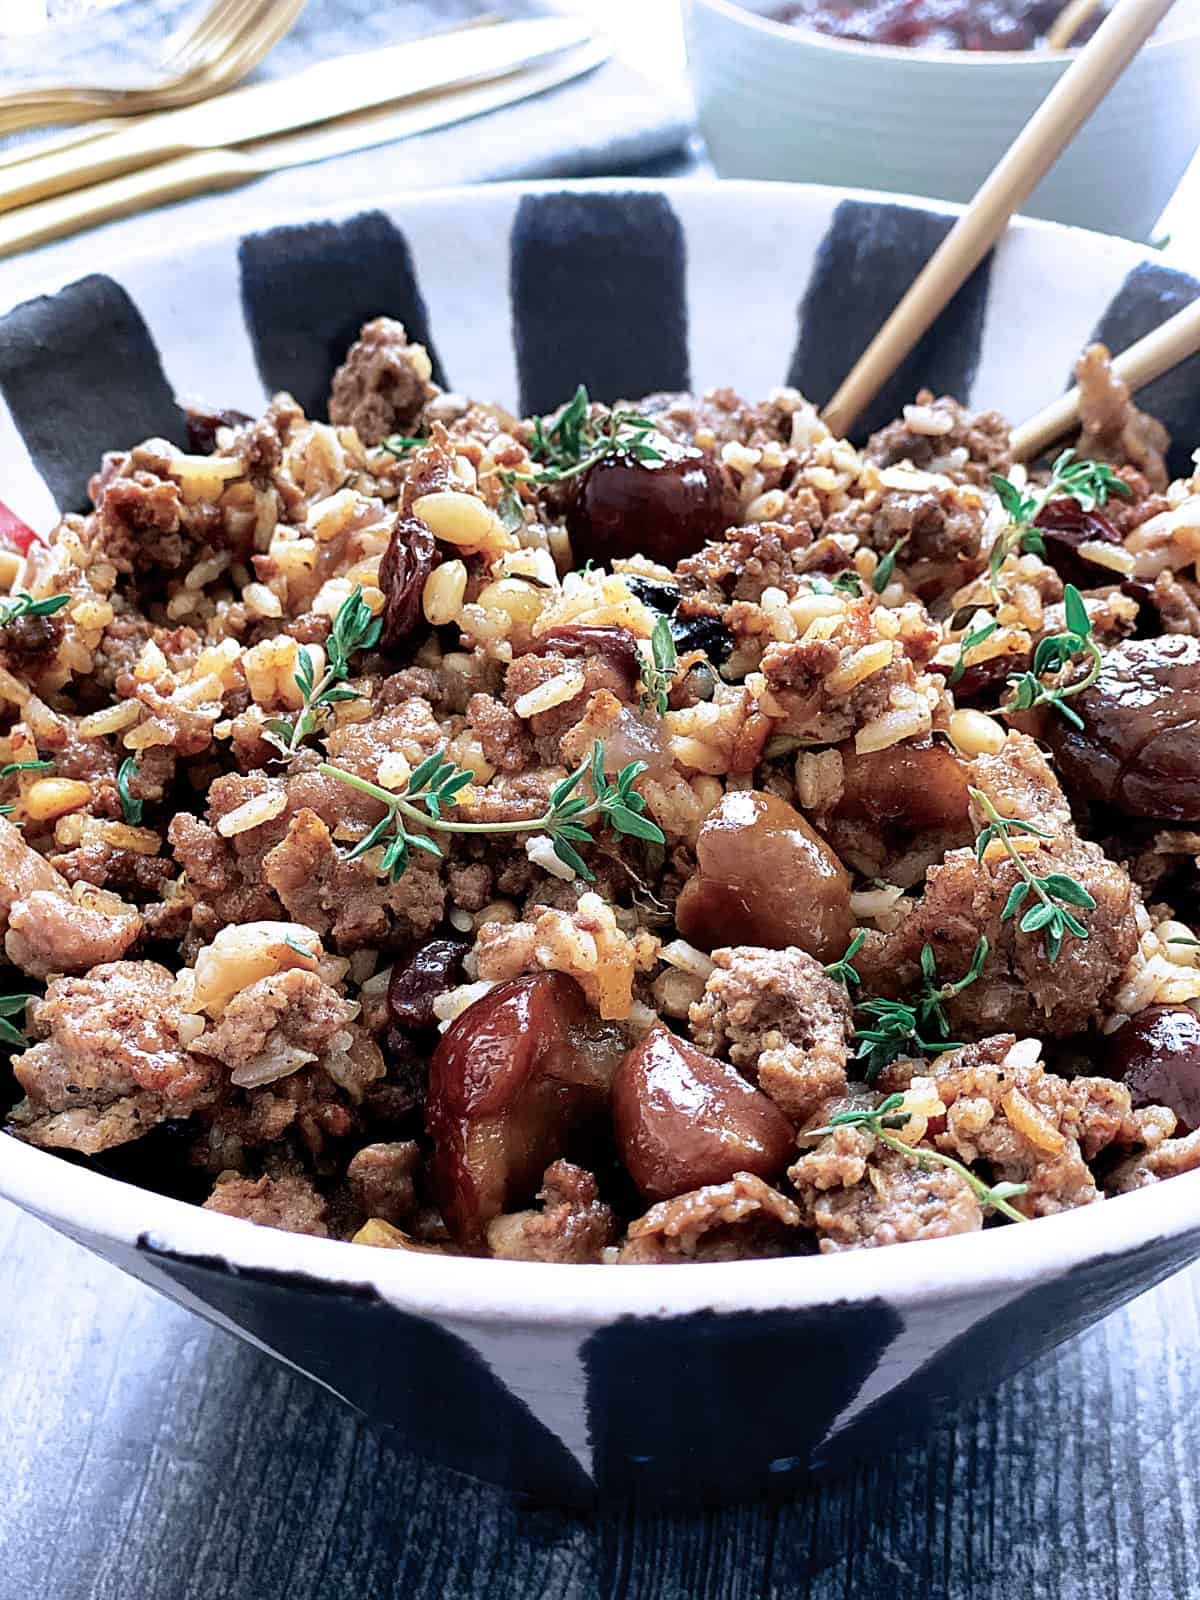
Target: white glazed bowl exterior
[787,103]
[671,1384]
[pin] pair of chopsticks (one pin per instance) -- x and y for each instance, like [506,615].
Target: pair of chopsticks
[333,108]
[1055,123]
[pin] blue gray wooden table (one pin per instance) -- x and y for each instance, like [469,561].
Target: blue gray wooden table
[146,1456]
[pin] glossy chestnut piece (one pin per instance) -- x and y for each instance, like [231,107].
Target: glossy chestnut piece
[1156,1055]
[1139,748]
[515,1082]
[914,785]
[662,509]
[683,1119]
[765,877]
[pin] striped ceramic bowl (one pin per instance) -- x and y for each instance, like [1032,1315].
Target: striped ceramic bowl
[666,1383]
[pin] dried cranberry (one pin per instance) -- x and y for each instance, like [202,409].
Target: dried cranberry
[202,425]
[699,628]
[1065,525]
[1156,1055]
[15,534]
[410,557]
[415,983]
[615,646]
[663,509]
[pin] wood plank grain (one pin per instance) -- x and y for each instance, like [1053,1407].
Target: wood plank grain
[147,1455]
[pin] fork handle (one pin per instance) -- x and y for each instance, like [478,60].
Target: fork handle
[198,173]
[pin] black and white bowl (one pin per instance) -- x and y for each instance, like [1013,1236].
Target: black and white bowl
[680,1383]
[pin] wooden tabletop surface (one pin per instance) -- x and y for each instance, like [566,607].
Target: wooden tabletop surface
[146,1456]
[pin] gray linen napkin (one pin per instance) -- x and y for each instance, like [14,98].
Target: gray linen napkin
[610,121]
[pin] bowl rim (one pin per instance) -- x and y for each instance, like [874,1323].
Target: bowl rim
[91,1206]
[973,60]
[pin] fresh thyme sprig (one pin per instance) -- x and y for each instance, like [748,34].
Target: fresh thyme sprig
[658,673]
[1054,892]
[572,443]
[882,575]
[1053,654]
[24,605]
[899,1028]
[402,444]
[976,636]
[354,629]
[10,1004]
[843,971]
[1088,482]
[131,808]
[7,770]
[9,767]
[433,787]
[887,1116]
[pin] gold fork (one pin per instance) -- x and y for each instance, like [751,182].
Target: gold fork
[228,42]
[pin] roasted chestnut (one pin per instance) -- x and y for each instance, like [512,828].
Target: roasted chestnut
[663,509]
[520,1077]
[1156,1055]
[765,878]
[1139,747]
[683,1119]
[913,785]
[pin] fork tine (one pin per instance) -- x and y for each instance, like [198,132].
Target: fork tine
[190,47]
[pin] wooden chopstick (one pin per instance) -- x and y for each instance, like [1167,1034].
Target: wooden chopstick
[1173,342]
[1043,139]
[1068,23]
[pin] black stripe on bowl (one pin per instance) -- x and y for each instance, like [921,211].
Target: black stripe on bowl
[81,374]
[745,1399]
[391,1365]
[599,297]
[1150,294]
[1004,1342]
[308,289]
[866,261]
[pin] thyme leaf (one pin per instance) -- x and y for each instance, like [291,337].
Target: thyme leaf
[882,575]
[887,1116]
[899,1028]
[354,629]
[969,641]
[571,444]
[1055,653]
[843,971]
[403,444]
[1088,482]
[131,807]
[433,788]
[7,770]
[658,673]
[1052,892]
[24,605]
[10,1005]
